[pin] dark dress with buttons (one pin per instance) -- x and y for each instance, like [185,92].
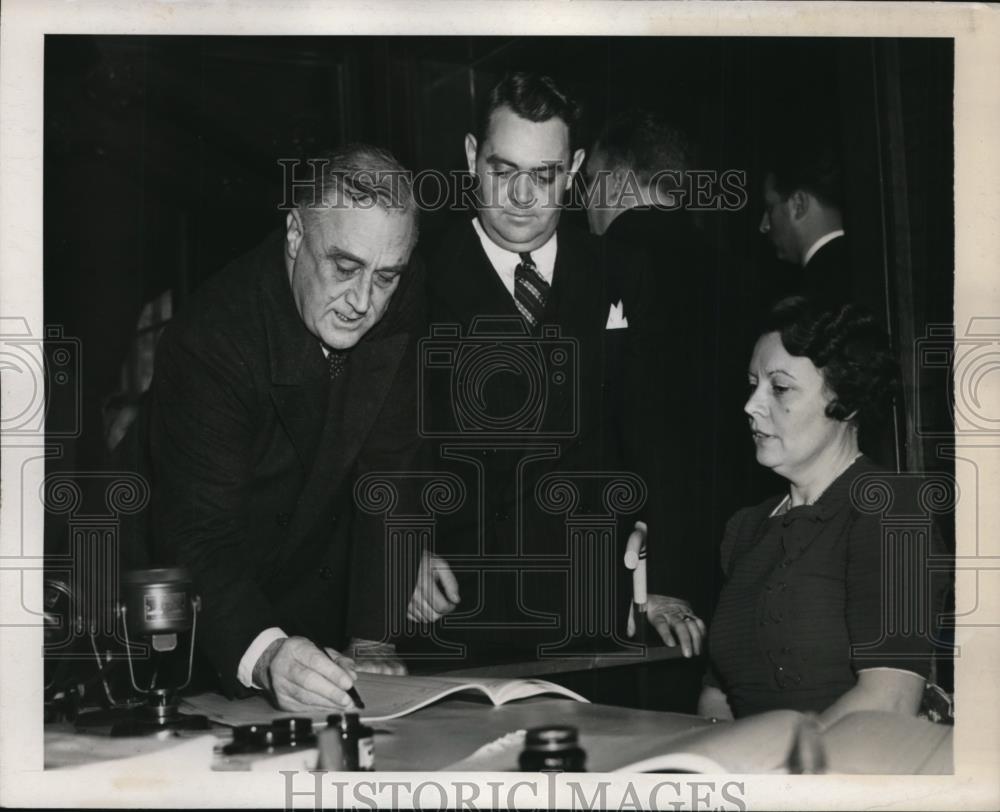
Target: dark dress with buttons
[804,607]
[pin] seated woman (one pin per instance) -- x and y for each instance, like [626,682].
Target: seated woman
[804,569]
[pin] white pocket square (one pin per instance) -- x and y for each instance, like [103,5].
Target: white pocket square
[616,317]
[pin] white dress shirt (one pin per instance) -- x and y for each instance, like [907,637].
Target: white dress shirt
[244,673]
[820,243]
[505,262]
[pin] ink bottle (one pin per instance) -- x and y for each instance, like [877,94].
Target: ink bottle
[552,748]
[357,742]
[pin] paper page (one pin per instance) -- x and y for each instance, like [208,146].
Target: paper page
[388,697]
[385,697]
[505,690]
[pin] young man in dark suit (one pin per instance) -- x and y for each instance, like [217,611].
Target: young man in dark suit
[288,376]
[532,426]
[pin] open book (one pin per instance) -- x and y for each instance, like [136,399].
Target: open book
[385,697]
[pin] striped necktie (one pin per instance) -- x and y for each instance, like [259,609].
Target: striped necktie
[530,290]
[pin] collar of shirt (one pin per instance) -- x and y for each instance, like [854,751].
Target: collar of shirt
[327,350]
[836,496]
[505,262]
[820,243]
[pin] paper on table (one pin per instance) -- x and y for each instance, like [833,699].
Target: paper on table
[385,696]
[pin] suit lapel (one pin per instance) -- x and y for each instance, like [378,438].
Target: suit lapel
[299,378]
[572,304]
[349,418]
[567,303]
[472,284]
[300,409]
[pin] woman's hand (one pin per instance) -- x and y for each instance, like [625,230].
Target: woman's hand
[676,623]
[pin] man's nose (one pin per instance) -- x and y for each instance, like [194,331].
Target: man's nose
[359,296]
[765,224]
[522,193]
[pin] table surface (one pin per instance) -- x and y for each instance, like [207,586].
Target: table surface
[430,739]
[447,732]
[439,736]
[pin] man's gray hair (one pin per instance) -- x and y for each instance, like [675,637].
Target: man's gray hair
[356,174]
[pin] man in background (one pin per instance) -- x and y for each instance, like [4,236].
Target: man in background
[286,377]
[803,214]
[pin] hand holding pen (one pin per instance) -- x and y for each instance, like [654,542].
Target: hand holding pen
[301,676]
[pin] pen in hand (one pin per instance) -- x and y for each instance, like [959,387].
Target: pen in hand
[352,692]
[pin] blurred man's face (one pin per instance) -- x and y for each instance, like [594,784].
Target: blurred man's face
[777,224]
[343,267]
[525,169]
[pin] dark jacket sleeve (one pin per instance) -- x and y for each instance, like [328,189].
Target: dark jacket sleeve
[201,439]
[639,409]
[676,562]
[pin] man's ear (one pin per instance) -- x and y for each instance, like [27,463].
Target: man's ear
[578,157]
[294,233]
[798,202]
[471,146]
[622,176]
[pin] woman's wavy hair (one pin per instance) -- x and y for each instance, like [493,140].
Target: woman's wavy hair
[848,346]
